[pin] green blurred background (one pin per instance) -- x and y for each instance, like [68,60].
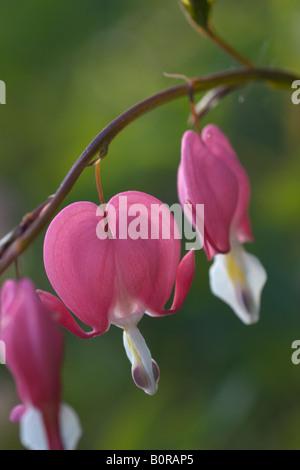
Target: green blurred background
[70,67]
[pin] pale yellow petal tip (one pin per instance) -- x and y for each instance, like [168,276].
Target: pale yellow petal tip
[238,279]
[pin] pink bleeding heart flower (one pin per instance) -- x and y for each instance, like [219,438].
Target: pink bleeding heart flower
[211,174]
[33,353]
[111,267]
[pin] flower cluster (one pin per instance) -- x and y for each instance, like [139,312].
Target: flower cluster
[211,174]
[105,276]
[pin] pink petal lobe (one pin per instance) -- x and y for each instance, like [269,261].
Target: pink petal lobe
[16,413]
[62,315]
[203,178]
[184,278]
[220,146]
[112,271]
[79,265]
[145,267]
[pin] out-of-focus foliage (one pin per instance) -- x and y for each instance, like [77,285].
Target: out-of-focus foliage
[71,67]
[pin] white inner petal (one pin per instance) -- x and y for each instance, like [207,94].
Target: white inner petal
[33,434]
[238,279]
[32,431]
[139,355]
[70,426]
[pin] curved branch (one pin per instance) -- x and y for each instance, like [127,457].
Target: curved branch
[19,239]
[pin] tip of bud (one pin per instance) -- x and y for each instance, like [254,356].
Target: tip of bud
[144,381]
[145,371]
[248,305]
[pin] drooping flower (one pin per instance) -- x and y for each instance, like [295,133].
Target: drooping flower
[33,354]
[211,174]
[111,267]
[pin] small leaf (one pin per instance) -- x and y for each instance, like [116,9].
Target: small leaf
[198,11]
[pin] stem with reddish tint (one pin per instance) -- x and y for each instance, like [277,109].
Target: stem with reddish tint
[19,240]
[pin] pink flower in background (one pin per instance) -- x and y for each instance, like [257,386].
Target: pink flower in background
[211,174]
[115,279]
[33,353]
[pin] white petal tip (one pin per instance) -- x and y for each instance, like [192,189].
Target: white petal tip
[144,381]
[145,371]
[70,427]
[33,434]
[238,279]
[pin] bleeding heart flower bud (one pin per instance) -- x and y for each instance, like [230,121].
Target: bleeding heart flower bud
[114,272]
[211,174]
[34,352]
